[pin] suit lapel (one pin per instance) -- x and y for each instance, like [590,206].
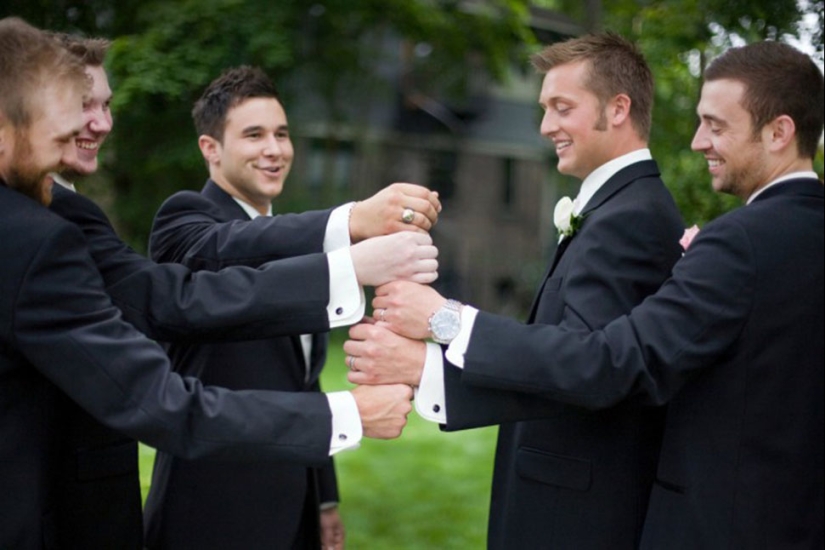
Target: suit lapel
[620,180]
[233,211]
[224,201]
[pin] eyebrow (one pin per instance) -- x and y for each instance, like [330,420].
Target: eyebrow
[712,118]
[259,128]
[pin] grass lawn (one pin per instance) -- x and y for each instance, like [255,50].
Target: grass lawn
[427,490]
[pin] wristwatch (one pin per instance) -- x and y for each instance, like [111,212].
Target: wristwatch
[445,323]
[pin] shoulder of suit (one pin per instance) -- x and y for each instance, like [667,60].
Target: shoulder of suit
[29,219]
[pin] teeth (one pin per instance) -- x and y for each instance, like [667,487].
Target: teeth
[714,163]
[563,145]
[89,145]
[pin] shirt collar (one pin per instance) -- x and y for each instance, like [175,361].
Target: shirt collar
[600,175]
[786,177]
[57,178]
[250,211]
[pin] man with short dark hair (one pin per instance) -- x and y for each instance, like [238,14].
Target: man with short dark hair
[244,138]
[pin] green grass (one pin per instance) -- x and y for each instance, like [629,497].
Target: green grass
[427,490]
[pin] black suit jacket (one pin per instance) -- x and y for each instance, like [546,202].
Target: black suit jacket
[63,347]
[99,487]
[566,477]
[206,504]
[733,342]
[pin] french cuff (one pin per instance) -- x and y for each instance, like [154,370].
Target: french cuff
[458,347]
[324,506]
[346,422]
[337,233]
[430,401]
[347,303]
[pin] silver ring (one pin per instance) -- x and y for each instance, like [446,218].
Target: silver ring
[351,362]
[408,215]
[381,315]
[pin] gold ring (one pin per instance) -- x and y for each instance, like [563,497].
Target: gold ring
[408,215]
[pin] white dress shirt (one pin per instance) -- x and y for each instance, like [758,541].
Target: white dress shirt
[430,399]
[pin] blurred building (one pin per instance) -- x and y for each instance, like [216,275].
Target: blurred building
[474,141]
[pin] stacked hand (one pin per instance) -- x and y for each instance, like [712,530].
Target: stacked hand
[401,256]
[389,349]
[393,246]
[398,207]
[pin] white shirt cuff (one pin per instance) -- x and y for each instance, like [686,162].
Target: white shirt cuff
[347,303]
[337,233]
[430,402]
[346,422]
[458,347]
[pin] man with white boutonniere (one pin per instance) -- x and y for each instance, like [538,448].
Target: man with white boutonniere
[565,477]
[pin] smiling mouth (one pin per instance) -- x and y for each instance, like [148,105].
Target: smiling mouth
[562,145]
[272,170]
[87,145]
[715,163]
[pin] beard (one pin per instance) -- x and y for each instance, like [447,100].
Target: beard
[25,177]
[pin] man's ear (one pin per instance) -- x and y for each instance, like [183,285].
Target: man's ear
[780,133]
[210,149]
[619,109]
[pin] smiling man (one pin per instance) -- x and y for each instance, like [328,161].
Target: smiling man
[569,478]
[244,138]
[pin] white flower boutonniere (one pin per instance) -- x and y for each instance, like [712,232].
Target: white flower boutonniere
[566,221]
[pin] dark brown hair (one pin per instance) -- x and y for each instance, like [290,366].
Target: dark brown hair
[233,87]
[779,80]
[91,51]
[616,67]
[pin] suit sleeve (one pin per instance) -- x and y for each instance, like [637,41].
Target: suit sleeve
[67,328]
[690,324]
[192,230]
[623,254]
[172,303]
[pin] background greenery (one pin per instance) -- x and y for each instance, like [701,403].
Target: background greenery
[427,490]
[166,51]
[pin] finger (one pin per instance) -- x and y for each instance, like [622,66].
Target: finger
[422,239]
[426,252]
[424,278]
[358,334]
[435,200]
[354,348]
[358,378]
[425,208]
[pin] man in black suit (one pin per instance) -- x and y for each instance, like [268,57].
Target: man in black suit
[244,138]
[732,341]
[65,351]
[573,478]
[170,303]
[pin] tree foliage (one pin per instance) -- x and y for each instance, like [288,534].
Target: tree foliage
[165,52]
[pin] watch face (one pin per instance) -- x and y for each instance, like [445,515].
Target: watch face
[445,325]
